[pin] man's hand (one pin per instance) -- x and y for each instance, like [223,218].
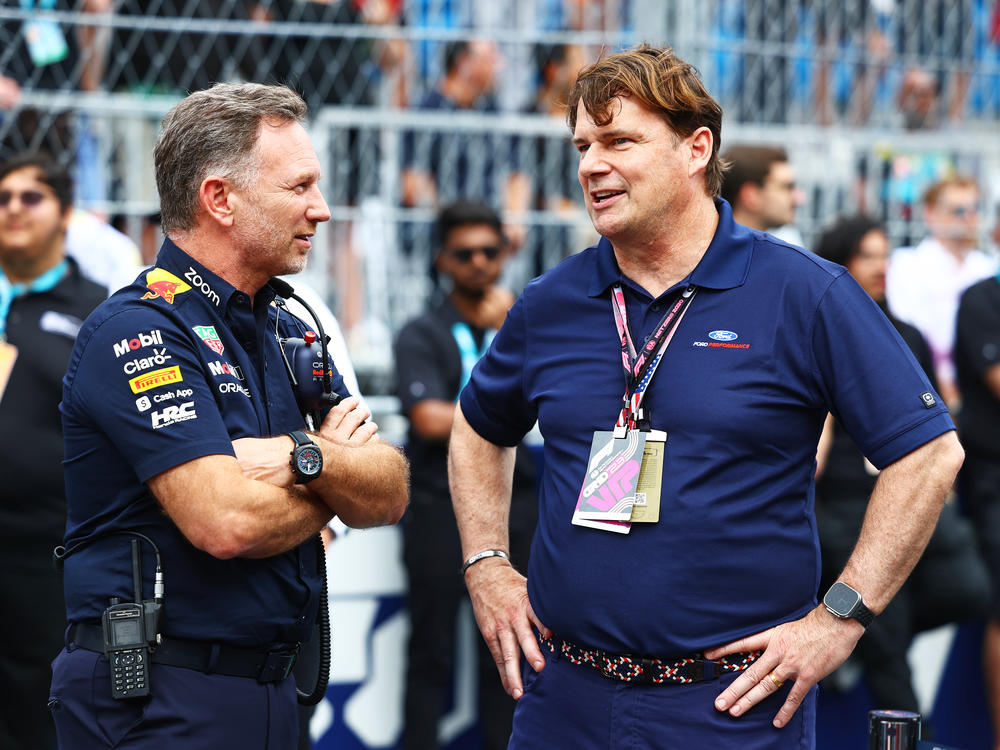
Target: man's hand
[345,424]
[805,651]
[492,309]
[500,600]
[266,459]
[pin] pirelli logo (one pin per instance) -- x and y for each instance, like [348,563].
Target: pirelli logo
[155,379]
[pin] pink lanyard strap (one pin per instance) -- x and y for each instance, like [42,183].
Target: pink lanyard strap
[641,364]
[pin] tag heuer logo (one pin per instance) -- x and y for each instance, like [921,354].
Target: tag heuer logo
[210,337]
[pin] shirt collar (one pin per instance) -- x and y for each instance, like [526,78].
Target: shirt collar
[217,291]
[725,264]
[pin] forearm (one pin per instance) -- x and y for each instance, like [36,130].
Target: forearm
[364,485]
[900,519]
[227,514]
[480,474]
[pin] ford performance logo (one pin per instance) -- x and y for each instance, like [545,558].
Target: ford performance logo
[723,336]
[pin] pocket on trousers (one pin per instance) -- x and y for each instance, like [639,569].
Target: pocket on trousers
[529,677]
[115,718]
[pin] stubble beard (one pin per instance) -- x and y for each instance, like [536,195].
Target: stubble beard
[265,248]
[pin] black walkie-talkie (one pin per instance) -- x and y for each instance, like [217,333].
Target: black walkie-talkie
[126,642]
[127,650]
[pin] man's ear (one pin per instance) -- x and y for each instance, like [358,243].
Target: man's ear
[216,198]
[701,150]
[66,218]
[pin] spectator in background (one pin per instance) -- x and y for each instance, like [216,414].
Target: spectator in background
[924,282]
[443,167]
[43,301]
[547,177]
[435,354]
[760,186]
[440,167]
[918,101]
[950,583]
[49,56]
[977,363]
[104,254]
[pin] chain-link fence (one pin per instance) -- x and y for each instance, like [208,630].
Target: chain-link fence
[874,99]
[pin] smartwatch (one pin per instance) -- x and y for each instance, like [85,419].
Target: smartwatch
[307,458]
[844,602]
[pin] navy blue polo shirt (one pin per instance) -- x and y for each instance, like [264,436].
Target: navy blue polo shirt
[172,368]
[735,550]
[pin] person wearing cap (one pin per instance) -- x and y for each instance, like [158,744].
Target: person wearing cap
[680,372]
[183,434]
[43,301]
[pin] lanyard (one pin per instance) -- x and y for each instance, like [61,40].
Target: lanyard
[467,349]
[43,283]
[640,364]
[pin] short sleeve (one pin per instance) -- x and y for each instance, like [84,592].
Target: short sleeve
[871,380]
[494,402]
[140,382]
[421,367]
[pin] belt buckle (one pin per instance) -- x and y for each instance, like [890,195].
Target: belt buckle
[646,676]
[278,664]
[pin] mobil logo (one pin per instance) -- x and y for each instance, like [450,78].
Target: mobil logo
[723,335]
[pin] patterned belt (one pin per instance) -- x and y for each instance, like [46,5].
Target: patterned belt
[646,671]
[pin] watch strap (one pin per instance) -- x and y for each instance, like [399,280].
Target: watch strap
[862,614]
[300,438]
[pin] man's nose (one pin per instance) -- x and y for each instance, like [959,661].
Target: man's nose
[318,210]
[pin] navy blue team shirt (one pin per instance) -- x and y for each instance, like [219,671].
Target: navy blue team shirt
[735,550]
[172,368]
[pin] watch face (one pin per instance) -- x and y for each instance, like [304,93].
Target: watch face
[309,460]
[841,599]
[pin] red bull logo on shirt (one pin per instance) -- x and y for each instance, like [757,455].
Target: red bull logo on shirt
[164,284]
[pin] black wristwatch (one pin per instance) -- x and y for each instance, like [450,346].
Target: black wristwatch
[844,602]
[307,458]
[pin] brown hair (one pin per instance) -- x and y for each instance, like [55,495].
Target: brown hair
[748,164]
[933,194]
[215,131]
[661,81]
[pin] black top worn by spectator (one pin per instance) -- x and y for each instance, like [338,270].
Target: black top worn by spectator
[977,349]
[43,327]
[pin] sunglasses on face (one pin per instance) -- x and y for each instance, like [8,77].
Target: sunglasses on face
[464,254]
[28,198]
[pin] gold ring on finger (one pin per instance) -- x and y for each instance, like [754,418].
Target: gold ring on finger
[777,683]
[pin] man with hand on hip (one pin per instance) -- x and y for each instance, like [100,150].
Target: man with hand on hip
[680,372]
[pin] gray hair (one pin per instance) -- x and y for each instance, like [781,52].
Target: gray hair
[215,131]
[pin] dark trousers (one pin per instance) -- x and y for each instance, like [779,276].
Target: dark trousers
[32,629]
[571,706]
[980,482]
[187,709]
[949,584]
